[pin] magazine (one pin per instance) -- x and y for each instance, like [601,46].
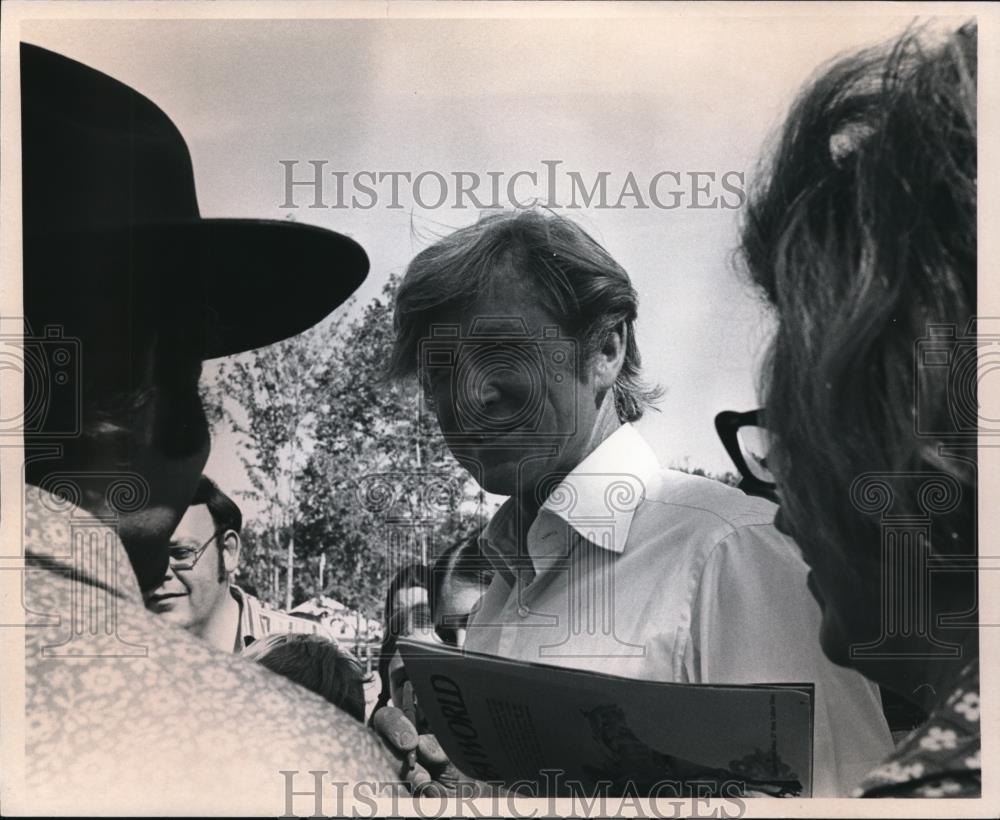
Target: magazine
[551,730]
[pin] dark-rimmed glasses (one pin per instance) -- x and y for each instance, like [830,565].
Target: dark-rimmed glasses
[747,441]
[183,557]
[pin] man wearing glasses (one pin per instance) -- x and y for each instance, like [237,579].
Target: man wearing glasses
[196,592]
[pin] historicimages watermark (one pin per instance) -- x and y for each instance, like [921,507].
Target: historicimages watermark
[315,183]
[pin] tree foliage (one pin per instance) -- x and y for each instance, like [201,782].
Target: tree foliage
[343,463]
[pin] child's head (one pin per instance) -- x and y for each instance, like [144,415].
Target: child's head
[315,663]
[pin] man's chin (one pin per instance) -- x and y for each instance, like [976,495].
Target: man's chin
[499,478]
[835,646]
[173,610]
[831,639]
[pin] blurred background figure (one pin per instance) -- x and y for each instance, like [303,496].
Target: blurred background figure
[315,663]
[396,715]
[862,234]
[407,613]
[461,576]
[433,604]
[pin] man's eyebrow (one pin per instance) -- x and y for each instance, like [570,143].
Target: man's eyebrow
[490,323]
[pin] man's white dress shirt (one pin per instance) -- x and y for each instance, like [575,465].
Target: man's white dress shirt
[654,574]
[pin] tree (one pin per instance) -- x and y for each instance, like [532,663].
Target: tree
[260,564]
[728,477]
[380,487]
[270,400]
[350,472]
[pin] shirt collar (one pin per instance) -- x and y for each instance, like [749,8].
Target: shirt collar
[244,628]
[597,500]
[599,497]
[53,524]
[498,541]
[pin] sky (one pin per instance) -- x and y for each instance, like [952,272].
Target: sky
[671,91]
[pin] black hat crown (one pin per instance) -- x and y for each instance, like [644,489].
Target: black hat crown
[109,208]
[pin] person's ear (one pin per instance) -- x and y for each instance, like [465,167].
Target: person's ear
[608,359]
[231,545]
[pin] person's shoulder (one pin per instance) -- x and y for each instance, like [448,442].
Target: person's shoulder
[281,719]
[262,722]
[678,493]
[51,522]
[716,523]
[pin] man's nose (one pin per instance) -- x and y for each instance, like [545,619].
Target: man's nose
[169,574]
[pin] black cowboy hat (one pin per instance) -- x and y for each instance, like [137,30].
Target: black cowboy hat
[110,211]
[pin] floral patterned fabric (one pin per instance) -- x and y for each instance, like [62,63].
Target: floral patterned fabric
[126,713]
[939,758]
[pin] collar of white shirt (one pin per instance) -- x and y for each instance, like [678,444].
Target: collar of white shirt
[597,500]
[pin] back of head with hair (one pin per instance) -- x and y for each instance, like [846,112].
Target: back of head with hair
[862,234]
[317,664]
[576,280]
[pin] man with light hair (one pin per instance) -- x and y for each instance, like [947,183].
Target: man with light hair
[521,332]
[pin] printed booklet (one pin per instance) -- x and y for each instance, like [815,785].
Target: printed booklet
[551,730]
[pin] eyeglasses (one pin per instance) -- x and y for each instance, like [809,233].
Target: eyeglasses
[748,443]
[183,557]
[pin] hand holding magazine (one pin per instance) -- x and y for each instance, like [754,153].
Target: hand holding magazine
[561,731]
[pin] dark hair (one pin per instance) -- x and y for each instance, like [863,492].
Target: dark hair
[225,514]
[576,280]
[463,561]
[124,351]
[400,622]
[317,664]
[409,575]
[129,338]
[123,361]
[862,233]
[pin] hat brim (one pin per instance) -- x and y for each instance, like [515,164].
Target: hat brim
[255,281]
[263,281]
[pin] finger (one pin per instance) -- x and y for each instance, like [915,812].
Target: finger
[395,729]
[433,789]
[406,764]
[430,753]
[417,777]
[401,789]
[409,704]
[450,775]
[405,760]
